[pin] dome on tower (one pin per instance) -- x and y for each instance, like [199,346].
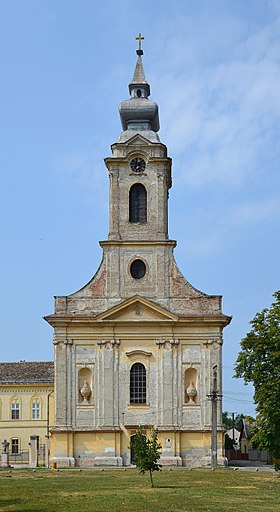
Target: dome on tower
[139,114]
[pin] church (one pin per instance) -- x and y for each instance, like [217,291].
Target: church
[137,344]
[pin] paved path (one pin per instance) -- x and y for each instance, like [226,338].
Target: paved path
[251,465]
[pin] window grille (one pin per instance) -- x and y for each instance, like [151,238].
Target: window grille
[15,446]
[138,203]
[138,384]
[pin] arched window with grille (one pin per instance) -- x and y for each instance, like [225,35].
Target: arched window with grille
[138,203]
[138,384]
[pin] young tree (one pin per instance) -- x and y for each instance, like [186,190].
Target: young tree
[147,452]
[259,362]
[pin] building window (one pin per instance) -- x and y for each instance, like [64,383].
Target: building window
[15,446]
[15,410]
[138,269]
[36,410]
[138,384]
[138,203]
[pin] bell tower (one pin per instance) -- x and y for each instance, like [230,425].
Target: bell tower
[138,246]
[140,170]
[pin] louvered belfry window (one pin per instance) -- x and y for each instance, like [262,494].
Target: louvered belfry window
[138,203]
[138,384]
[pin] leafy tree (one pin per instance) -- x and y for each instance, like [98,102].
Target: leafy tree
[228,423]
[147,452]
[259,362]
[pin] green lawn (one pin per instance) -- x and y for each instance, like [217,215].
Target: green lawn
[223,490]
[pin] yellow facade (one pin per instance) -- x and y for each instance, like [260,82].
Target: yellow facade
[26,406]
[78,444]
[26,425]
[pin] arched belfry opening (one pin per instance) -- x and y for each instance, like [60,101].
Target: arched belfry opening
[138,203]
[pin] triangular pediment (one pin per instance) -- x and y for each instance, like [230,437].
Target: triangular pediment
[138,140]
[137,309]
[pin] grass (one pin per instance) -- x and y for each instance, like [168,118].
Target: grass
[223,490]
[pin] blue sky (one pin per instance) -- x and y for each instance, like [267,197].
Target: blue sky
[214,71]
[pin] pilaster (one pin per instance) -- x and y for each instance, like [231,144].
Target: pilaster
[108,371]
[168,387]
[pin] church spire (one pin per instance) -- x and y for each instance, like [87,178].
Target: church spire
[139,79]
[139,113]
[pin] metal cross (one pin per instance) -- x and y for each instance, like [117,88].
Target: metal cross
[139,38]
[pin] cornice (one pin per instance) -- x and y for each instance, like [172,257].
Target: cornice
[26,388]
[141,243]
[65,320]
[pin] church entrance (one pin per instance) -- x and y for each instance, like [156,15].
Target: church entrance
[132,450]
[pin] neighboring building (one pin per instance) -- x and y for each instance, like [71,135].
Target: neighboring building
[246,447]
[26,403]
[138,343]
[234,435]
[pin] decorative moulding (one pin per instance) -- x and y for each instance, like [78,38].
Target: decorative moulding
[138,352]
[107,342]
[167,342]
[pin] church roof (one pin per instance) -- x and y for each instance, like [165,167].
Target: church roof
[138,113]
[139,74]
[27,372]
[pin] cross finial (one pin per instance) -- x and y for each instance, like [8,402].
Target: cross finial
[139,38]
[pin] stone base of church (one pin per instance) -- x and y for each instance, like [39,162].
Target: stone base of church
[91,461]
[62,462]
[86,449]
[108,461]
[170,461]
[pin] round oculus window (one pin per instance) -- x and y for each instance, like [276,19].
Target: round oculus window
[138,269]
[138,165]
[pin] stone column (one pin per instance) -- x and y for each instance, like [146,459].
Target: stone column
[60,362]
[108,373]
[47,451]
[161,204]
[176,371]
[167,385]
[114,204]
[69,383]
[160,383]
[34,449]
[116,418]
[5,454]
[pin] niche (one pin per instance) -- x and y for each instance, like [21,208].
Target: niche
[85,391]
[190,386]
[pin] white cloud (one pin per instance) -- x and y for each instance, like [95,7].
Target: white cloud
[256,212]
[223,119]
[214,232]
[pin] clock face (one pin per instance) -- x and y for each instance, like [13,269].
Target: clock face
[137,165]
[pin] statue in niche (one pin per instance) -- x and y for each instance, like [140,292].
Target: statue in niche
[191,392]
[5,446]
[85,391]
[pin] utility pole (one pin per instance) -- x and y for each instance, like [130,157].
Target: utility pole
[214,397]
[233,438]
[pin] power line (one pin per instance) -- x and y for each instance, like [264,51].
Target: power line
[228,397]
